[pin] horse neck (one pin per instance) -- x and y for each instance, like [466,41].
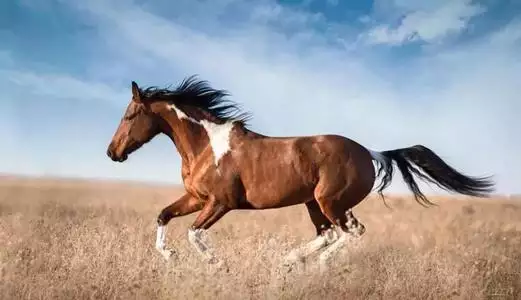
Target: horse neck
[189,138]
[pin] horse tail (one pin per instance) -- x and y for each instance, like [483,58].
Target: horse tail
[417,159]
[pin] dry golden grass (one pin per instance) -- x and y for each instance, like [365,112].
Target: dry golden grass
[95,240]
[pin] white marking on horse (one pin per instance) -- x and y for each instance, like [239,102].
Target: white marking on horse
[355,229]
[318,243]
[160,242]
[196,239]
[305,250]
[332,249]
[160,237]
[219,134]
[181,115]
[194,236]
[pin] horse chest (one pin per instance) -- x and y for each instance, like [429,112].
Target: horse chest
[200,181]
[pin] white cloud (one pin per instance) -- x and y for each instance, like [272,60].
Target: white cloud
[462,102]
[429,23]
[64,86]
[509,36]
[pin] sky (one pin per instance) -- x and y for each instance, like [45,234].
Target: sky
[385,73]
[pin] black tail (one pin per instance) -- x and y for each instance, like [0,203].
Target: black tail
[435,169]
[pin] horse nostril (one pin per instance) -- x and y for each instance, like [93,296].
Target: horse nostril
[109,153]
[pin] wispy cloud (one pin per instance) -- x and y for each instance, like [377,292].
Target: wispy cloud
[508,37]
[429,22]
[287,68]
[64,86]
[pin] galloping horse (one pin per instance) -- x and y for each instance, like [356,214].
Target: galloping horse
[226,166]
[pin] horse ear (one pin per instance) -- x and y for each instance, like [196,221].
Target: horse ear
[136,95]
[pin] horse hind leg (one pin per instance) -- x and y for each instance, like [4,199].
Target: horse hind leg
[324,236]
[353,225]
[347,227]
[338,211]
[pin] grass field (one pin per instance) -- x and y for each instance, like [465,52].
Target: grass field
[64,239]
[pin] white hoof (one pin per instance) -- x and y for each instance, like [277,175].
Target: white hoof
[292,262]
[292,258]
[166,253]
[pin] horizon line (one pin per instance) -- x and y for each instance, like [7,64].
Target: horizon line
[157,183]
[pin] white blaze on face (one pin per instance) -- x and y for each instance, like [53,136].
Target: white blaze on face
[218,134]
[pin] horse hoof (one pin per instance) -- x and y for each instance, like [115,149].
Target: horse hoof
[166,253]
[292,259]
[290,263]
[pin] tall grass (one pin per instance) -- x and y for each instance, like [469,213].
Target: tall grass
[81,240]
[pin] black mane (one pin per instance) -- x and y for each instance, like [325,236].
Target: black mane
[199,94]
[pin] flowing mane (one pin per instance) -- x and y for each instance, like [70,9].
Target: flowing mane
[199,94]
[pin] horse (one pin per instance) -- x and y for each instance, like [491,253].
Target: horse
[227,166]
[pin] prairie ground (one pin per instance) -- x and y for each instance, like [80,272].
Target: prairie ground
[66,239]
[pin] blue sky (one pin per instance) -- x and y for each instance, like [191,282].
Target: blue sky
[386,73]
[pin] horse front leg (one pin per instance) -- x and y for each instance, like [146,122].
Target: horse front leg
[185,205]
[211,213]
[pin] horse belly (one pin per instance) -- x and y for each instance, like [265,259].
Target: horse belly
[279,188]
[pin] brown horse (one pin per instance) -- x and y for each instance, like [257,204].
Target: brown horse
[226,166]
